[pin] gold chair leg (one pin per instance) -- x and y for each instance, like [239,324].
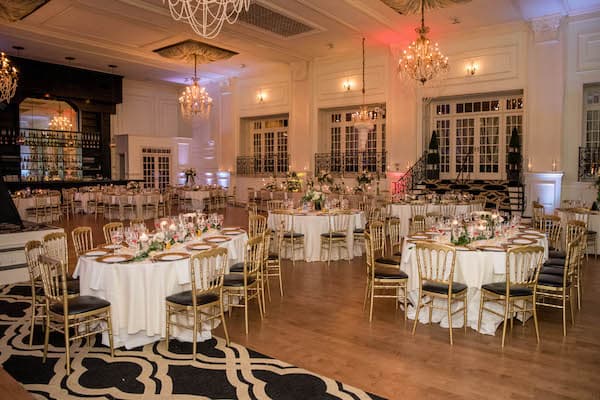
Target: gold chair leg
[280,279]
[367,288]
[46,336]
[417,314]
[571,305]
[223,321]
[372,295]
[110,334]
[405,303]
[465,312]
[564,313]
[535,320]
[33,314]
[67,347]
[246,309]
[506,308]
[195,334]
[167,325]
[450,317]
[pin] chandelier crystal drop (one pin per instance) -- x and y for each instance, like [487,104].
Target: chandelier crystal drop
[8,79]
[194,99]
[206,17]
[59,122]
[423,61]
[363,119]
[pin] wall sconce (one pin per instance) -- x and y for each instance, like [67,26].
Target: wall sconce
[347,85]
[261,97]
[472,68]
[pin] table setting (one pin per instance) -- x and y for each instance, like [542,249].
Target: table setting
[139,269]
[481,244]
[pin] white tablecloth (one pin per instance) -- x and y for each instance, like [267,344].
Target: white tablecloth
[474,269]
[197,196]
[402,211]
[137,293]
[312,225]
[23,204]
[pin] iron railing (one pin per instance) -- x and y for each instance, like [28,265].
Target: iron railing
[589,163]
[268,165]
[415,175]
[351,162]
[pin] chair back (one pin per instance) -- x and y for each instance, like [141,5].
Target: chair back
[477,205]
[256,225]
[448,209]
[573,259]
[82,239]
[55,246]
[252,208]
[254,258]
[274,205]
[41,201]
[436,262]
[109,228]
[33,250]
[377,234]
[395,235]
[581,214]
[417,224]
[550,225]
[54,281]
[207,269]
[523,264]
[574,229]
[537,212]
[418,208]
[267,237]
[338,222]
[369,256]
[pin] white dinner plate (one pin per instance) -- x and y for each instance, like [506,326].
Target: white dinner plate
[232,233]
[521,241]
[95,253]
[111,246]
[171,256]
[200,247]
[217,239]
[115,258]
[532,231]
[231,228]
[532,236]
[418,237]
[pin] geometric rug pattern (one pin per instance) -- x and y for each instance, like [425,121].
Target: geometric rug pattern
[151,371]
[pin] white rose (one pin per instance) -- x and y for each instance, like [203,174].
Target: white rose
[160,237]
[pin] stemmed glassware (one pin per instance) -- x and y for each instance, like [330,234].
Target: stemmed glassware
[117,238]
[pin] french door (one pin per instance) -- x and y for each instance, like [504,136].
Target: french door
[156,165]
[473,136]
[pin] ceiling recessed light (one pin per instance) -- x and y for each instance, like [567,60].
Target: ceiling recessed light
[242,66]
[330,45]
[18,48]
[112,66]
[69,58]
[455,20]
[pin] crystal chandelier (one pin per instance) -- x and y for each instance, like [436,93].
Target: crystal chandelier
[206,17]
[194,99]
[59,122]
[363,118]
[423,61]
[8,79]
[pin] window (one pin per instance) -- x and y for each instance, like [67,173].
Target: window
[270,146]
[591,115]
[474,134]
[343,155]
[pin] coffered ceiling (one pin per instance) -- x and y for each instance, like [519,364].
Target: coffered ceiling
[126,32]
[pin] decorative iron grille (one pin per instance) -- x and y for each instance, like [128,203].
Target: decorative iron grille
[352,162]
[589,163]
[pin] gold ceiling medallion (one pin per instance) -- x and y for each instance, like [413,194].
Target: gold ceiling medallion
[187,50]
[408,7]
[16,10]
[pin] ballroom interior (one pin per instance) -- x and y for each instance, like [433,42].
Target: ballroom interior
[299,199]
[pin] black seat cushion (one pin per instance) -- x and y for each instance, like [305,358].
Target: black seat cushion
[237,267]
[550,280]
[442,288]
[185,298]
[289,235]
[236,280]
[500,288]
[555,261]
[337,235]
[390,273]
[552,270]
[557,254]
[273,256]
[72,286]
[80,305]
[398,254]
[387,261]
[359,230]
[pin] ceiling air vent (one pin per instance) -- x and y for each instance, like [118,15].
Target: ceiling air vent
[269,20]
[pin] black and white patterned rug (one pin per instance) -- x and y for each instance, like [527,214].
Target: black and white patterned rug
[152,371]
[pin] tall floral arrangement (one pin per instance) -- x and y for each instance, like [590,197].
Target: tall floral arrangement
[325,178]
[292,182]
[190,175]
[364,178]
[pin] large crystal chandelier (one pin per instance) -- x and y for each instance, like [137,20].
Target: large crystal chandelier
[60,122]
[194,99]
[206,17]
[8,79]
[423,61]
[363,118]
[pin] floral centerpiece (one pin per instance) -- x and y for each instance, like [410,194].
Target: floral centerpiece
[132,185]
[271,186]
[190,175]
[292,182]
[364,178]
[316,197]
[325,178]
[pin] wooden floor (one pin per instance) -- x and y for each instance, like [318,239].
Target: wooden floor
[320,325]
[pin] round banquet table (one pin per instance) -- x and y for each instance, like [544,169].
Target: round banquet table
[402,211]
[197,196]
[474,268]
[137,292]
[23,203]
[312,225]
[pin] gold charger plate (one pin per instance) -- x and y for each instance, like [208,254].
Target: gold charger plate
[520,241]
[115,258]
[96,253]
[201,246]
[232,233]
[171,256]
[491,248]
[532,236]
[217,239]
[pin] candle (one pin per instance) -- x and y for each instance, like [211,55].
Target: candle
[454,222]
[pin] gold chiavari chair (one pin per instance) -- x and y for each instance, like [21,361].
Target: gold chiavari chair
[436,264]
[112,206]
[537,214]
[359,233]
[164,204]
[247,286]
[395,237]
[39,210]
[555,287]
[519,288]
[290,239]
[129,206]
[33,250]
[96,204]
[336,236]
[82,239]
[272,261]
[273,205]
[150,205]
[54,205]
[418,211]
[551,226]
[204,302]
[448,209]
[67,207]
[108,230]
[382,280]
[583,214]
[136,221]
[252,208]
[257,224]
[66,313]
[55,246]
[232,197]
